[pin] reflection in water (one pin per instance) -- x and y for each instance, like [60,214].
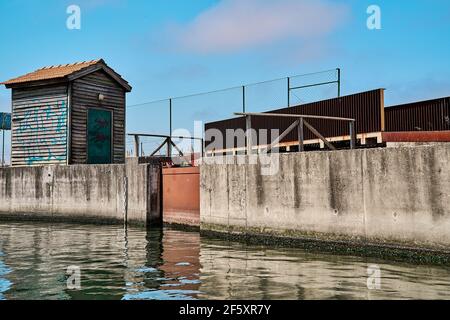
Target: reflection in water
[166,264]
[239,272]
[5,284]
[115,263]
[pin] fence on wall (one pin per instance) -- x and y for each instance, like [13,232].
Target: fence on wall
[366,109]
[185,116]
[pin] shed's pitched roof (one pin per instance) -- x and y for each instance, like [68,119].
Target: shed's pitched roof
[67,72]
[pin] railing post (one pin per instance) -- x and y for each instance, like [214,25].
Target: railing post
[136,146]
[301,138]
[169,147]
[248,125]
[203,148]
[352,135]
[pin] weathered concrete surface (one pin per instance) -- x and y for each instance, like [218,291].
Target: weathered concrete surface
[394,196]
[94,193]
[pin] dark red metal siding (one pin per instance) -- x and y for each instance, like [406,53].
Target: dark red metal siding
[367,108]
[222,127]
[432,115]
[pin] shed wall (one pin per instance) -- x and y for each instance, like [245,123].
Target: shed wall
[84,95]
[39,125]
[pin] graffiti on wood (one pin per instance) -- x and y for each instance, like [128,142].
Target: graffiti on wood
[41,133]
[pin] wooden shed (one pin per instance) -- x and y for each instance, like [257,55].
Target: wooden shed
[68,114]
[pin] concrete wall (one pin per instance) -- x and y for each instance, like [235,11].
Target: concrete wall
[95,193]
[397,196]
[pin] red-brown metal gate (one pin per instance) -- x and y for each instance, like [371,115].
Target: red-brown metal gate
[181,196]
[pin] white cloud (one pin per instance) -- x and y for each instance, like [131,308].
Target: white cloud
[236,25]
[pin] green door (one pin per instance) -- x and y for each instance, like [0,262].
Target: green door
[99,136]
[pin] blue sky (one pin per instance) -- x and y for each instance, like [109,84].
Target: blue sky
[173,48]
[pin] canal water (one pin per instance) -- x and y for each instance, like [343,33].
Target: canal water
[41,261]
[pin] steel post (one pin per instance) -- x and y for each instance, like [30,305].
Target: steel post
[136,146]
[248,122]
[352,135]
[301,138]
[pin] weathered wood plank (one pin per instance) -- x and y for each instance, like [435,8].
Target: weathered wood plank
[85,93]
[39,125]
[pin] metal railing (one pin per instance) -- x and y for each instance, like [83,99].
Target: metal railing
[167,143]
[299,124]
[163,116]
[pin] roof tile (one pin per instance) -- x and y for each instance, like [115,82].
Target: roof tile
[52,72]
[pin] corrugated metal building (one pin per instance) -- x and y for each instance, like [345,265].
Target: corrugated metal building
[423,121]
[430,115]
[68,114]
